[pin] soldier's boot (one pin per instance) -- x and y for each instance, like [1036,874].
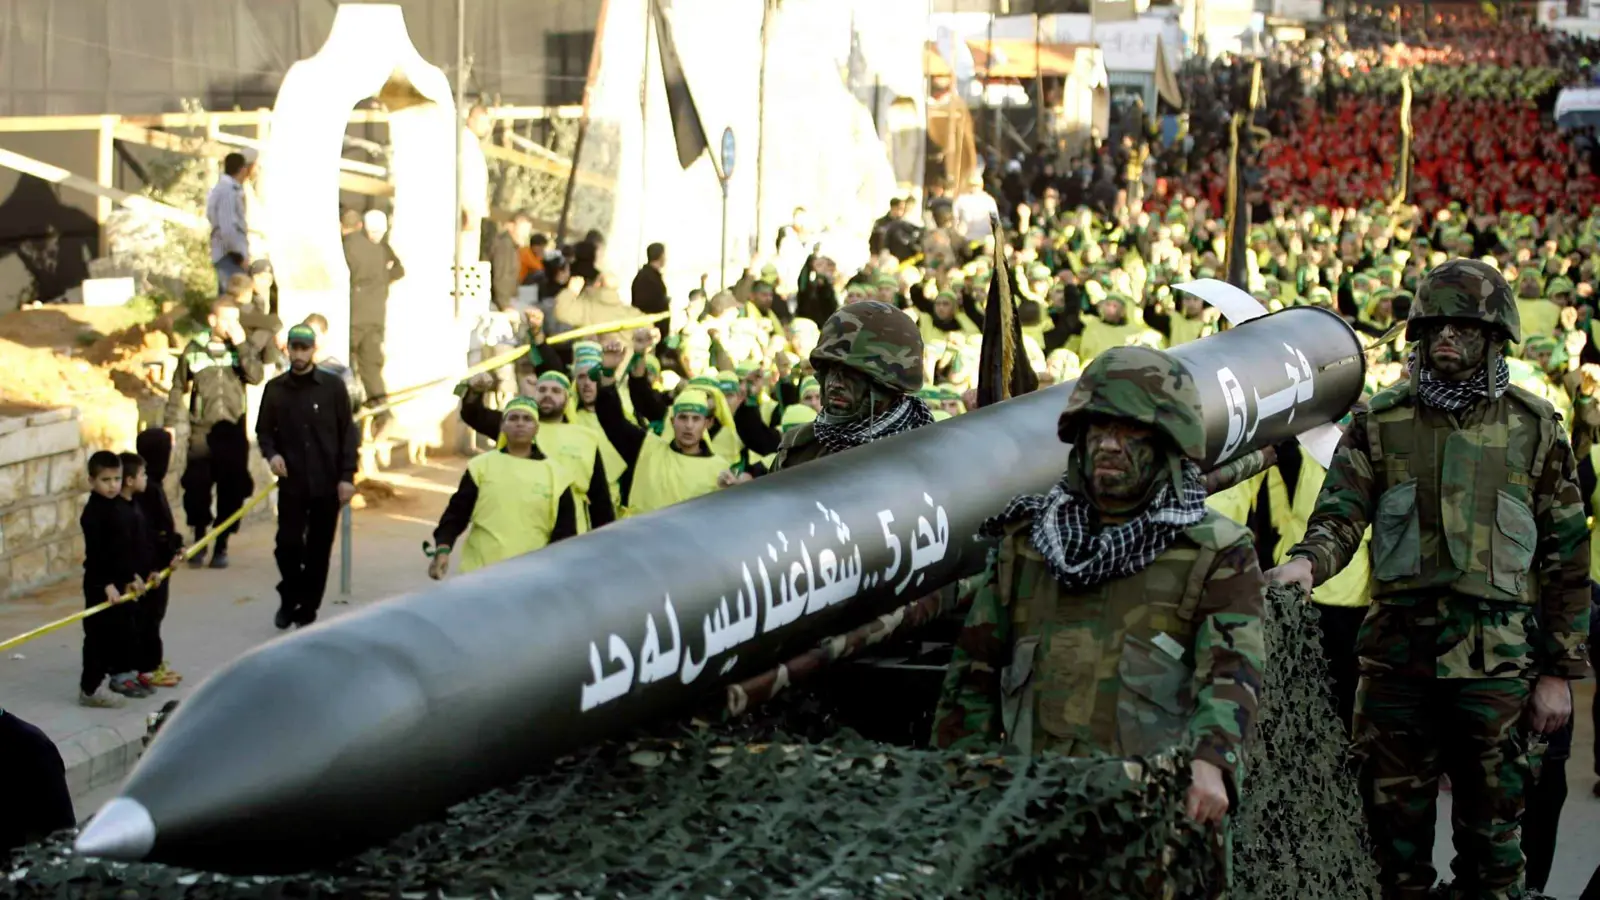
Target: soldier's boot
[219,559]
[198,561]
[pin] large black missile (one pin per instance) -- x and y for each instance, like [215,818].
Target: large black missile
[328,740]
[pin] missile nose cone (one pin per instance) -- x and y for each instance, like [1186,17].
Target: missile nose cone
[121,830]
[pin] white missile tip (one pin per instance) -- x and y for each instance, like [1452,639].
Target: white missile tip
[121,830]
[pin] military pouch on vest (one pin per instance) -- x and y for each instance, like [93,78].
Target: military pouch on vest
[1511,544]
[1016,695]
[1155,698]
[1397,534]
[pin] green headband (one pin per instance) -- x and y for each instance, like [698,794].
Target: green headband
[692,401]
[526,403]
[557,378]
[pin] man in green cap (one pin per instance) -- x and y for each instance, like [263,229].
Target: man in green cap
[309,439]
[516,499]
[1118,614]
[1480,585]
[869,365]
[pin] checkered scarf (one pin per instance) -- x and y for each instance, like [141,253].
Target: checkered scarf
[838,436]
[1455,396]
[1080,555]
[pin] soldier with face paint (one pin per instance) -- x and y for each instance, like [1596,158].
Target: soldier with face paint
[1480,589]
[1118,614]
[868,362]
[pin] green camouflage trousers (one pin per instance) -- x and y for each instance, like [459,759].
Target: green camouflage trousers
[1408,731]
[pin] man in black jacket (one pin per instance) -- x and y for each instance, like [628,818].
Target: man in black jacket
[373,267]
[649,288]
[309,439]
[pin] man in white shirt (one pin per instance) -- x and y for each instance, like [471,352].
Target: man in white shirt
[474,184]
[225,210]
[972,210]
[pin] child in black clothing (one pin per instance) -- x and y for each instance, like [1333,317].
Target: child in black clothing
[110,564]
[165,548]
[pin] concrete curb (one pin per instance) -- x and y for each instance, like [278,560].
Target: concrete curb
[102,756]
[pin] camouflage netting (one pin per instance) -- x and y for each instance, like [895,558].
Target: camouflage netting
[1299,831]
[739,810]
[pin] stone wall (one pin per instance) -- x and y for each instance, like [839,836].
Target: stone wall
[43,486]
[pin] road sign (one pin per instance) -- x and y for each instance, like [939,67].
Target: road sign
[727,153]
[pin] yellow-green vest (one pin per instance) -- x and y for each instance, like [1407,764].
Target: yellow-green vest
[1351,587]
[1185,329]
[516,509]
[613,461]
[1538,317]
[1099,337]
[1109,669]
[574,447]
[1455,504]
[1594,504]
[663,476]
[1237,502]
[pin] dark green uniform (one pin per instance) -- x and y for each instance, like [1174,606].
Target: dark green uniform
[882,343]
[210,380]
[1480,585]
[1163,651]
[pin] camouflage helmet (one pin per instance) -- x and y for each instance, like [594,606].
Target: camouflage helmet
[1142,384]
[1465,289]
[875,339]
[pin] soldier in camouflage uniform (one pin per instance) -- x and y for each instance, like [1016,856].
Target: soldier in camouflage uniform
[210,379]
[868,360]
[1118,614]
[1479,585]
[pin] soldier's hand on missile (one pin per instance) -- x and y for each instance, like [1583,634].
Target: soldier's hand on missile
[1295,571]
[439,566]
[278,467]
[1551,704]
[726,478]
[1208,796]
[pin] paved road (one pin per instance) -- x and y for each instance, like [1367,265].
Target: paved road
[216,616]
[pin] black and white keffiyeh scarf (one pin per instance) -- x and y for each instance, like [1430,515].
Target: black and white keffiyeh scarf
[1082,556]
[1455,396]
[905,415]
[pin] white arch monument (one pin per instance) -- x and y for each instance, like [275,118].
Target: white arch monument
[369,53]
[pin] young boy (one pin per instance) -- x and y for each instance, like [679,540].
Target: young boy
[109,565]
[142,476]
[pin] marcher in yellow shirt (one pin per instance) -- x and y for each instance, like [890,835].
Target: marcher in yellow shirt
[514,499]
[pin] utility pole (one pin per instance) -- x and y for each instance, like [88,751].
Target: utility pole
[461,127]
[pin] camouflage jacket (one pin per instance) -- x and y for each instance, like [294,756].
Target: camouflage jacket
[210,380]
[796,447]
[1480,550]
[1170,656]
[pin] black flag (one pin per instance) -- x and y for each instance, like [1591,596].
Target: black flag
[1003,368]
[687,130]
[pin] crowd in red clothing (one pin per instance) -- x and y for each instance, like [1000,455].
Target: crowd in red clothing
[1489,145]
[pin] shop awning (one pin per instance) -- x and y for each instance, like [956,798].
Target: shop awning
[1017,58]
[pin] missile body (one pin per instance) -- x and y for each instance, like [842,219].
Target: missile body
[330,739]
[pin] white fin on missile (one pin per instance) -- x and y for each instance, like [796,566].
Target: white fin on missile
[121,830]
[1238,307]
[1235,305]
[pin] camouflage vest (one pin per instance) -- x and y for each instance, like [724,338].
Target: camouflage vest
[1109,669]
[1455,503]
[796,447]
